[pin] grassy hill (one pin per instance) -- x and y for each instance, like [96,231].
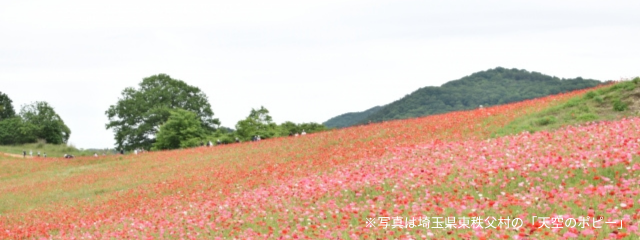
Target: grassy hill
[487,88]
[344,183]
[605,104]
[52,150]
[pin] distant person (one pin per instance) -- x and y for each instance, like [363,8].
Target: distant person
[122,151]
[45,155]
[296,134]
[237,140]
[95,154]
[24,154]
[218,142]
[135,151]
[201,144]
[30,153]
[290,134]
[303,132]
[38,153]
[480,107]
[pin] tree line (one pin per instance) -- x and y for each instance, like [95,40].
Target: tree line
[166,113]
[161,113]
[35,121]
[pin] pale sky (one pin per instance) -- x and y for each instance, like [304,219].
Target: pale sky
[305,61]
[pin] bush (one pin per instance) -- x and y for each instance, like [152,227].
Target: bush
[619,105]
[590,95]
[636,80]
[628,86]
[545,121]
[587,117]
[572,102]
[599,99]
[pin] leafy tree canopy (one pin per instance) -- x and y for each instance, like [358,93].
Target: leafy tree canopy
[137,116]
[183,129]
[42,122]
[6,108]
[259,122]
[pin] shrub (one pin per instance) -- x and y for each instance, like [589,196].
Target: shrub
[545,121]
[590,95]
[587,117]
[629,86]
[619,105]
[599,99]
[572,103]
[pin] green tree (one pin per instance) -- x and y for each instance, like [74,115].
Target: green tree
[183,129]
[6,108]
[14,131]
[138,114]
[287,128]
[257,123]
[42,122]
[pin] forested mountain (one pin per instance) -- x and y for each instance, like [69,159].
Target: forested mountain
[349,119]
[487,88]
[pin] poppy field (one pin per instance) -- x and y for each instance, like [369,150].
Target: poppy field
[436,177]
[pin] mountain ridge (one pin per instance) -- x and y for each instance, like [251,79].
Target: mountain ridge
[488,88]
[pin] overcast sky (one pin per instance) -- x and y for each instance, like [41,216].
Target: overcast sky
[303,60]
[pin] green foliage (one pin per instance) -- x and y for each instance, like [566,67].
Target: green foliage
[6,108]
[590,95]
[619,105]
[138,114]
[487,88]
[599,99]
[13,131]
[545,121]
[577,110]
[183,129]
[258,123]
[588,117]
[287,128]
[350,119]
[40,121]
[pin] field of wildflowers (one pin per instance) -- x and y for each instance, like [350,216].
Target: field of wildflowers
[436,177]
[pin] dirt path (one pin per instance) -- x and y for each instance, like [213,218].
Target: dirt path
[14,155]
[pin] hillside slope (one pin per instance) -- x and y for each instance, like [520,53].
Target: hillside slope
[614,102]
[487,88]
[355,183]
[349,119]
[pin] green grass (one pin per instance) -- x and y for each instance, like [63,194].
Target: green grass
[51,150]
[609,103]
